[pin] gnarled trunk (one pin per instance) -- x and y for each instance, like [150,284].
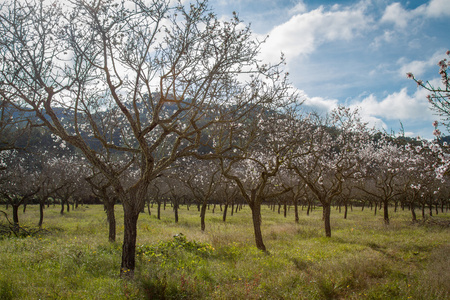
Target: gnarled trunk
[256,217]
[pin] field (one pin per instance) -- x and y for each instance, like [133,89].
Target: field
[364,259]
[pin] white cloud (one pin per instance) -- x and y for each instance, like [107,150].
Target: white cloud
[397,106]
[320,104]
[299,8]
[304,32]
[438,8]
[395,13]
[419,67]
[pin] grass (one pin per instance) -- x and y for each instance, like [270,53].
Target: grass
[364,259]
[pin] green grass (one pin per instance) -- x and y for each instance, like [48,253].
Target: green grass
[364,259]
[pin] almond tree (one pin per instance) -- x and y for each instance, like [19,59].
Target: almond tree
[201,178]
[262,146]
[18,181]
[227,191]
[326,158]
[141,80]
[383,176]
[102,189]
[439,97]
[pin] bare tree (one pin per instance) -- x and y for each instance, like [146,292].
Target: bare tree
[145,81]
[18,182]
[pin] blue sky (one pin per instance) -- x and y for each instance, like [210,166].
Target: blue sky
[355,53]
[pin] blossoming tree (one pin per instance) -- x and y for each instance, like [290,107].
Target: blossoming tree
[143,80]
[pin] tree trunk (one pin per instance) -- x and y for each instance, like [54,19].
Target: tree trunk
[110,216]
[326,218]
[414,217]
[62,207]
[202,216]
[386,211]
[256,217]
[345,210]
[41,212]
[224,217]
[296,211]
[285,209]
[159,210]
[15,209]
[175,210]
[129,241]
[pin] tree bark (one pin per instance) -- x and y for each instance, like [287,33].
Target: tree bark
[175,210]
[15,209]
[159,210]
[129,241]
[225,209]
[326,218]
[256,217]
[386,212]
[296,211]
[111,220]
[202,216]
[41,213]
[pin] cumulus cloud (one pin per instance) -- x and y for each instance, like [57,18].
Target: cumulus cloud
[438,8]
[397,106]
[305,31]
[395,13]
[320,105]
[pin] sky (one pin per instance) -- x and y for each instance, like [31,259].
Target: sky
[355,53]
